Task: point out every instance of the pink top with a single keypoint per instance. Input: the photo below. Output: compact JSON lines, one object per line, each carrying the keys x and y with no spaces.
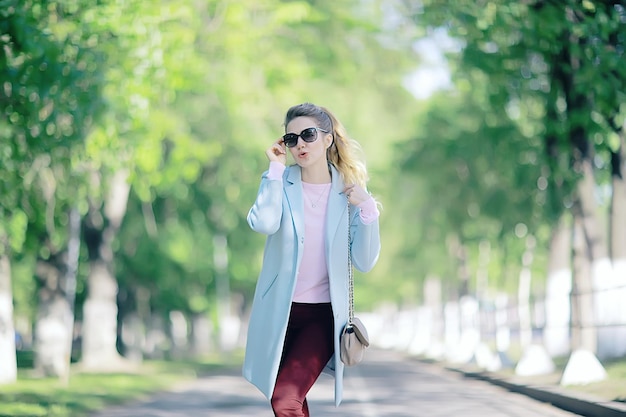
{"x":312,"y":280}
{"x":312,"y":284}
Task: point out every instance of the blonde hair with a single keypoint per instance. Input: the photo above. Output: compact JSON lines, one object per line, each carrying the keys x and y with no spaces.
{"x":344,"y":152}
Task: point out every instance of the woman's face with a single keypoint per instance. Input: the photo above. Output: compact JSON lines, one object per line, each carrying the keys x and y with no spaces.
{"x":309,"y":154}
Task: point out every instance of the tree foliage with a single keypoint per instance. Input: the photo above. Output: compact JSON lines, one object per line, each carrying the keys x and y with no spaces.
{"x":184,"y":97}
{"x":498,"y":151}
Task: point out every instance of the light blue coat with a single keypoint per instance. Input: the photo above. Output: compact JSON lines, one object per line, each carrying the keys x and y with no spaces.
{"x":278,"y":212}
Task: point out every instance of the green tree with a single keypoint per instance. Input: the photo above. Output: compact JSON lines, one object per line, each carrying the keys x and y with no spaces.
{"x":50,"y":96}
{"x":560,"y":61}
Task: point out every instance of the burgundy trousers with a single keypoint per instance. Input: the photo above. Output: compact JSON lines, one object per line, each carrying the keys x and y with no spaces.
{"x":307,"y":349}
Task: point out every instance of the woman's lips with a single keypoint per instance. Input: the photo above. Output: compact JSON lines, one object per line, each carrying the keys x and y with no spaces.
{"x":303,"y":155}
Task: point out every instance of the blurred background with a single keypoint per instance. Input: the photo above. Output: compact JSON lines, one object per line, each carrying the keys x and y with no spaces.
{"x":132,"y":138}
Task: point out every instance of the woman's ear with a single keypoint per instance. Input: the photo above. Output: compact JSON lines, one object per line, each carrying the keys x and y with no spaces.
{"x":329,"y":140}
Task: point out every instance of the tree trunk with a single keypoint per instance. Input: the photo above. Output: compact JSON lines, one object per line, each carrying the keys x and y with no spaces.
{"x":618,"y":206}
{"x":433,"y":297}
{"x":482,"y":271}
{"x":458,"y":252}
{"x":578,"y":108}
{"x":556,"y":334}
{"x":535,"y":359}
{"x":559,"y":281}
{"x":523,"y":294}
{"x":583,"y":329}
{"x":54,"y":329}
{"x":612,"y":333}
{"x":592,"y":225}
{"x":99,"y":343}
{"x":229,"y":323}
{"x":8,"y":363}
{"x":591,"y":263}
{"x":201,"y":335}
{"x":582,"y":367}
{"x":602,"y":277}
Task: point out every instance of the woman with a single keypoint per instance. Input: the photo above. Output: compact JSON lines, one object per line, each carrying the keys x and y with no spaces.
{"x":300,"y":304}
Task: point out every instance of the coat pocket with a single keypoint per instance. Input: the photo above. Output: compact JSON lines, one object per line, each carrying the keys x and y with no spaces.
{"x":269,"y":287}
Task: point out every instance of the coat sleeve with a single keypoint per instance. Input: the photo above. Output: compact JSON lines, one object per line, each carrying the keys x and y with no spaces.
{"x":364,"y":242}
{"x":266,"y":212}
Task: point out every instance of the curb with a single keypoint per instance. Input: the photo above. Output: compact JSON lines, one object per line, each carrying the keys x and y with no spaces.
{"x":554,"y":396}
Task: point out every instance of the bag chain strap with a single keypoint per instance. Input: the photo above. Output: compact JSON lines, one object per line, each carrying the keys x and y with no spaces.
{"x":350,"y":275}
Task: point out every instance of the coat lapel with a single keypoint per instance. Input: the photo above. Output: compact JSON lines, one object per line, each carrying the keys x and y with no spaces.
{"x":293,"y":190}
{"x":335,"y":214}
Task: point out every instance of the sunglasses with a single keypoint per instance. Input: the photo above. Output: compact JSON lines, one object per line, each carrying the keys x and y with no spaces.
{"x":308,"y":135}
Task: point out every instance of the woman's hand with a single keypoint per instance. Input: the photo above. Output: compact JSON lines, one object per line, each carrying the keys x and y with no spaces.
{"x":356,"y":194}
{"x":277,"y":152}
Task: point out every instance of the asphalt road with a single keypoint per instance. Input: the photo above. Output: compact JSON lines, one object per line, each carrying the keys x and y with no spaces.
{"x":385,"y":384}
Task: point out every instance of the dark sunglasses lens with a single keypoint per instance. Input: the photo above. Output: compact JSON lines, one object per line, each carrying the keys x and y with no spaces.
{"x":309,"y":135}
{"x":290,"y":140}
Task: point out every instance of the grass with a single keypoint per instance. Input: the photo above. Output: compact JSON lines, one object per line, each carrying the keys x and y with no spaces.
{"x":88,"y":392}
{"x":613,"y":388}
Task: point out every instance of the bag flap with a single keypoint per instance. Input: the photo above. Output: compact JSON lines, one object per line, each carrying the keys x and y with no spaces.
{"x":360,"y":331}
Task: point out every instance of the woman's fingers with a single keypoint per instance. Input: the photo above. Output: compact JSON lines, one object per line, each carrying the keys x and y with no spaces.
{"x":277,"y":152}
